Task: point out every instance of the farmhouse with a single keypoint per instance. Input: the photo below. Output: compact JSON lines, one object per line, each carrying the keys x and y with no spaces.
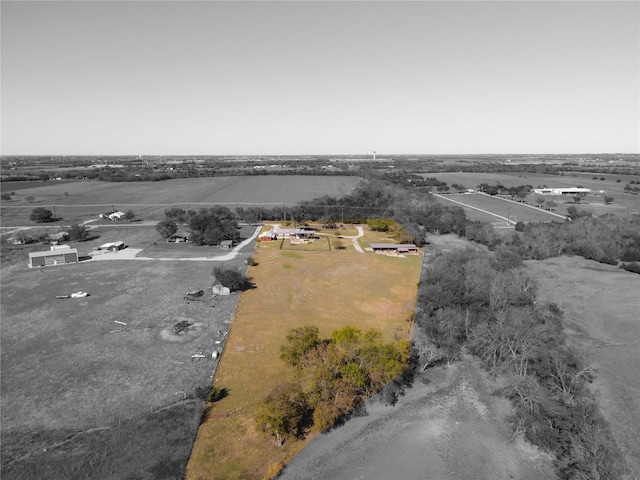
{"x":393,"y":248}
{"x":53,"y":257}
{"x":561,"y":191}
{"x":116,"y":216}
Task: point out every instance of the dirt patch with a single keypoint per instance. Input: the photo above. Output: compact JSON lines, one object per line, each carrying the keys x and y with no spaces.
{"x":195,"y":330}
{"x":448,"y":426}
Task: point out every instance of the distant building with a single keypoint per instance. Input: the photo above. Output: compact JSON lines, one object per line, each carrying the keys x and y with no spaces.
{"x":561,"y":191}
{"x":53,"y":257}
{"x":226,"y":243}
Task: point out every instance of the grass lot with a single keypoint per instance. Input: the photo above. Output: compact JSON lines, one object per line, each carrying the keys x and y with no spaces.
{"x":593,"y":203}
{"x":88,"y":198}
{"x":499,"y":206}
{"x":86,"y":397}
{"x":294,"y":289}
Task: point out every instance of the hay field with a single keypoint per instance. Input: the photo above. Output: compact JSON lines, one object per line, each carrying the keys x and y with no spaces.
{"x":294,"y":289}
{"x":150,"y":199}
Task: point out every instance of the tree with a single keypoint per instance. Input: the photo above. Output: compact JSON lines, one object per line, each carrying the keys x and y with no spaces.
{"x":78,"y":232}
{"x":283,"y":413}
{"x":213,"y":225}
{"x":578,"y":197}
{"x":299,"y":341}
{"x":177,"y":215}
{"x":167,"y":227}
{"x":608,"y":200}
{"x":41,"y":215}
{"x":129,"y":215}
{"x":30,"y":198}
{"x":5,"y":196}
{"x":232,"y":279}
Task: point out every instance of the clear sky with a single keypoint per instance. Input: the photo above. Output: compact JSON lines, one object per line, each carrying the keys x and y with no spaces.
{"x":299,"y":77}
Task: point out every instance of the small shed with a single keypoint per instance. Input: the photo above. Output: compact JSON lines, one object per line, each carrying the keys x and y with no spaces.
{"x":53,"y":257}
{"x":226,"y":243}
{"x":59,"y":237}
{"x":220,"y":290}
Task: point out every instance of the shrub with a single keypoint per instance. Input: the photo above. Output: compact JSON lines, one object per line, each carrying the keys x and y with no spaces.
{"x":232,"y":279}
{"x":41,"y":215}
{"x":631,"y":267}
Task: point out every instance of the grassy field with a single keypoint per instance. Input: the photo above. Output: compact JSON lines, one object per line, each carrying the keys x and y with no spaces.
{"x":601,"y":305}
{"x":87,"y":198}
{"x":514,"y":211}
{"x":84,"y":396}
{"x":623,"y":202}
{"x":294,"y":289}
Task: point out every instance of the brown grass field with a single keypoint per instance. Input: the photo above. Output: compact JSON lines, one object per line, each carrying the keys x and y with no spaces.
{"x":294,"y":289}
{"x":88,"y":198}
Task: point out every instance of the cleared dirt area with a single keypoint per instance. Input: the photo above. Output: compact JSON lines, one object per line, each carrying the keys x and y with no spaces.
{"x":601,"y":305}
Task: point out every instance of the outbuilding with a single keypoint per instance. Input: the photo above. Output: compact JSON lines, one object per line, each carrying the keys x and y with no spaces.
{"x":114,"y":246}
{"x":53,"y":257}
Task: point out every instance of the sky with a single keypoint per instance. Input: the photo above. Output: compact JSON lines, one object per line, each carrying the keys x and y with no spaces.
{"x":304,"y":77}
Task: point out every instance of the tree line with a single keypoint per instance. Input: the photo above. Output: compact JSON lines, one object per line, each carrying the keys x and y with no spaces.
{"x":486,"y":303}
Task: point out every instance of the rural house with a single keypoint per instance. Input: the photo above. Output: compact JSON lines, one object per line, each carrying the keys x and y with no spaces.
{"x":53,"y":257}
{"x":178,"y":237}
{"x":393,"y":248}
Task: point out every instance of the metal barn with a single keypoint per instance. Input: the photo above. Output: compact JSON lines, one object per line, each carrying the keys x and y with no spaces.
{"x":53,"y":257}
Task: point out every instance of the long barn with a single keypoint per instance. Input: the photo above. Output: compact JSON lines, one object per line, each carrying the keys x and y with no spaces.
{"x":53,"y":257}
